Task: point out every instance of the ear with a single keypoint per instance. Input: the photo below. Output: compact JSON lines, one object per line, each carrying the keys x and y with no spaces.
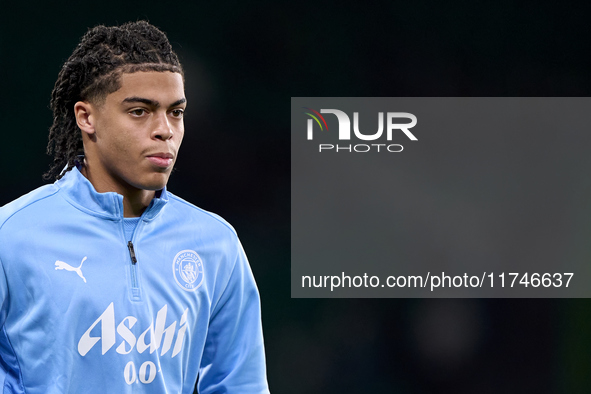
{"x":85,"y":116}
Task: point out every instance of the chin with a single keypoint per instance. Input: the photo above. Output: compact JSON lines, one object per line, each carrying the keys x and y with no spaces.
{"x":156,"y":183}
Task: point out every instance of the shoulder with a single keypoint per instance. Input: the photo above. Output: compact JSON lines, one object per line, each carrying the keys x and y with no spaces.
{"x":28,"y":204}
{"x":199,"y":215}
{"x":207,"y":231}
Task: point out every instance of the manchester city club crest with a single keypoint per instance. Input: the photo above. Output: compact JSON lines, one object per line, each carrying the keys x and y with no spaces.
{"x":187,"y":268}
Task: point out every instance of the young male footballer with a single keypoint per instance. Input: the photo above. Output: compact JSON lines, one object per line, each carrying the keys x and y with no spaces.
{"x":109,"y":283}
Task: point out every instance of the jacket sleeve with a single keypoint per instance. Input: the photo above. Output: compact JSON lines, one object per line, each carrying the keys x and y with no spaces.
{"x":234,"y":358}
{"x":3,"y":294}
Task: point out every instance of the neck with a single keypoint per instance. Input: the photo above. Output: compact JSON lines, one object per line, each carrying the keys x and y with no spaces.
{"x":135,"y":201}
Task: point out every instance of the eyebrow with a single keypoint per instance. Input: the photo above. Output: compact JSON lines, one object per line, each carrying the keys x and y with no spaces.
{"x":153,"y":103}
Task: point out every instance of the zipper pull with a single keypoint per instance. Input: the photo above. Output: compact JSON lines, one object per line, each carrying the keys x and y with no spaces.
{"x":131,"y":252}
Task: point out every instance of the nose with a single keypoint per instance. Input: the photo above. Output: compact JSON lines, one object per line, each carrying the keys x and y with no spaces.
{"x":162,"y":128}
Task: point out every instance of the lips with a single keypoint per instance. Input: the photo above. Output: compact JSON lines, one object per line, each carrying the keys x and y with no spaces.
{"x":162,"y":160}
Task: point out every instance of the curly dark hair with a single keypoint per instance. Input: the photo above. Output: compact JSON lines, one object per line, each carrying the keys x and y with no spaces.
{"x":92,"y":72}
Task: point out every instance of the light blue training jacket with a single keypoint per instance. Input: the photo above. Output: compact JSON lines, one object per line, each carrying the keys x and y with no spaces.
{"x":85,"y":311}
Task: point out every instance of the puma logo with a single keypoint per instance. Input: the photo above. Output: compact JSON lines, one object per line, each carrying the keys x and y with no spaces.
{"x":60,"y":265}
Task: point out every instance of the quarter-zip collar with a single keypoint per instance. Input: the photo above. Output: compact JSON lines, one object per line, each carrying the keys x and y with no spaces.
{"x":78,"y":191}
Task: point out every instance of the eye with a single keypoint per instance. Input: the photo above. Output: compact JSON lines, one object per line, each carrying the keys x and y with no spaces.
{"x":178,"y":113}
{"x":138,"y":112}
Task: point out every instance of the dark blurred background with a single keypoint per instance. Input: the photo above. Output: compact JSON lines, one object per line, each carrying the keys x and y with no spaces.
{"x":243,"y":61}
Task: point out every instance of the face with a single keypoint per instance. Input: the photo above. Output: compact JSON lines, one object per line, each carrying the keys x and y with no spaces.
{"x":131,"y":141}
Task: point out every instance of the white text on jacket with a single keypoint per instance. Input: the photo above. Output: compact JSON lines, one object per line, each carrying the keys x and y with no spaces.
{"x":156,"y":334}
